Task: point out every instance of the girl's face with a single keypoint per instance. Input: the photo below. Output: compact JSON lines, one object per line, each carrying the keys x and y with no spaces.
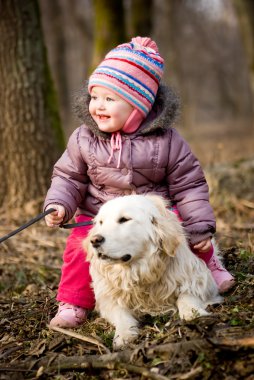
{"x":109,"y":111}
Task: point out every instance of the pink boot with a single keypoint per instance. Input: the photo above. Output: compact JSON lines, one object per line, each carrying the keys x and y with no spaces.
{"x":69,"y":316}
{"x":222,"y":277}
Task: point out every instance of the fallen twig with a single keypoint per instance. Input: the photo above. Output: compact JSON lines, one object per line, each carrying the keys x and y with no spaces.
{"x":15,"y":369}
{"x":188,"y":375}
{"x":169,"y":349}
{"x":80,"y":337}
{"x":125,"y":356}
{"x":112,"y":365}
{"x":234,"y":342}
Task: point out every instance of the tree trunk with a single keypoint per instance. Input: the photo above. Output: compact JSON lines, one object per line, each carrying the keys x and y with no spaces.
{"x":206,"y":62}
{"x":109,"y":27}
{"x":68,"y":27}
{"x":141,"y":17}
{"x":245,"y":12}
{"x":31,"y":136}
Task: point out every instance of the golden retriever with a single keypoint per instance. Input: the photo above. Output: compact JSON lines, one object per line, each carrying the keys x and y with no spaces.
{"x":140,"y":263}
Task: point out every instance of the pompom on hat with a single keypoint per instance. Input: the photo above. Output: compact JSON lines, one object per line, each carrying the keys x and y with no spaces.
{"x":133,"y":71}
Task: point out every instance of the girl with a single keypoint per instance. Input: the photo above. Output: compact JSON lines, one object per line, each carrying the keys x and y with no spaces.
{"x":126,"y":145}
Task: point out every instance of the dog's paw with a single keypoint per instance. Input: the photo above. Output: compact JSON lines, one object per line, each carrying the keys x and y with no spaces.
{"x":190,"y":307}
{"x":122,"y":338}
{"x":190,"y":314}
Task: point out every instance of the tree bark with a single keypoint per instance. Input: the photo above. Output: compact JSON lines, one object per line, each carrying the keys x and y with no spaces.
{"x":31,"y":135}
{"x":245,"y":12}
{"x":109,"y":28}
{"x":141,"y":17}
{"x":68,"y":27}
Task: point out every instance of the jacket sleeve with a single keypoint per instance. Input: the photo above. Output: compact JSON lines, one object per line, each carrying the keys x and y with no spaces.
{"x":69,"y":179}
{"x":188,"y":189}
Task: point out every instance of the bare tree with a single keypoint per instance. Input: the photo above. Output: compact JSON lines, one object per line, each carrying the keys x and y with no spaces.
{"x":205,"y":60}
{"x":109,"y":27}
{"x":141,"y":17}
{"x":245,"y":12}
{"x":31,"y":135}
{"x":67,"y":27}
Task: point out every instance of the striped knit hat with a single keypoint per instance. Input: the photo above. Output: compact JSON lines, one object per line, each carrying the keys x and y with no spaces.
{"x":133,"y":71}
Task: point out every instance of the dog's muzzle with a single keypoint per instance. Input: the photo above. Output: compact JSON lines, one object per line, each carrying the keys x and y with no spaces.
{"x":97,"y":241}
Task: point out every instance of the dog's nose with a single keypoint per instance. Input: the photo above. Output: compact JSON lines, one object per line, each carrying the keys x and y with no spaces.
{"x":97,"y":240}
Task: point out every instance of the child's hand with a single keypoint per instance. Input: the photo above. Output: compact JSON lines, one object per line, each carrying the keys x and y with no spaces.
{"x":203,"y":246}
{"x":56,"y":217}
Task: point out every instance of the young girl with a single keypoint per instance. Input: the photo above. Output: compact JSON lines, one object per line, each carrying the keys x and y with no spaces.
{"x":126,"y":145}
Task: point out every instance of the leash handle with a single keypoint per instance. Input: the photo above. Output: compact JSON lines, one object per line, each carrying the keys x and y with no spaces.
{"x":29,"y":223}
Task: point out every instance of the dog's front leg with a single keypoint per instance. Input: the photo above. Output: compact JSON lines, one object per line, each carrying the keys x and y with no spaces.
{"x":125,"y":324}
{"x":190,"y":307}
{"x":126,"y":327}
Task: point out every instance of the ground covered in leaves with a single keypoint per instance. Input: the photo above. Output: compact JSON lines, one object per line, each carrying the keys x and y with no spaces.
{"x":220,"y":346}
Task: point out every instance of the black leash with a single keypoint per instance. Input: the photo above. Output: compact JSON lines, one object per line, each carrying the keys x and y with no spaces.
{"x":39,"y":217}
{"x":72,"y":225}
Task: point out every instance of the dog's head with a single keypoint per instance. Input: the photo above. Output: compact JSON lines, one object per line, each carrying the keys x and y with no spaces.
{"x":129,"y":227}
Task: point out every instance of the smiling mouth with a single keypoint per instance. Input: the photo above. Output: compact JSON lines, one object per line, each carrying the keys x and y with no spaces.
{"x":103,"y":117}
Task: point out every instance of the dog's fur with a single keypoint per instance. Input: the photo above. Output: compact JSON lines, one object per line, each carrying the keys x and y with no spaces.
{"x":140,"y":263}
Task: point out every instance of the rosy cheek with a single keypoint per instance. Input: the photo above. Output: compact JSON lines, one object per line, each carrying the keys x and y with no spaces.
{"x":91,"y":109}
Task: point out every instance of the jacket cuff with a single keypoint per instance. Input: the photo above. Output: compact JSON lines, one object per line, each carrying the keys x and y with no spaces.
{"x":197,"y":238}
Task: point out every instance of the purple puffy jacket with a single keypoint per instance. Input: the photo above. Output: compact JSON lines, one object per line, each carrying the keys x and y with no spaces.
{"x":155,"y":159}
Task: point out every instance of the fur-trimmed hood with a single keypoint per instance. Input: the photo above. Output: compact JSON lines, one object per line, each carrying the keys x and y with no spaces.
{"x":162,"y":116}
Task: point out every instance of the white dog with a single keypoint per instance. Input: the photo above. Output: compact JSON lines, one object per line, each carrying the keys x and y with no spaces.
{"x":140,"y":263}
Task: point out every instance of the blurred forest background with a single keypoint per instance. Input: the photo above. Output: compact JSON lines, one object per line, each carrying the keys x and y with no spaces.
{"x":208,"y":51}
{"x":48,"y":49}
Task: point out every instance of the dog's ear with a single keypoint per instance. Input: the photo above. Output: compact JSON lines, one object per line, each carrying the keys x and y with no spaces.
{"x":168,"y":229}
{"x":167,"y":234}
{"x":159,"y":202}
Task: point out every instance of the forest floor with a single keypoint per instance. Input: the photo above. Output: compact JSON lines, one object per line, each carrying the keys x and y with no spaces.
{"x":220,"y":346}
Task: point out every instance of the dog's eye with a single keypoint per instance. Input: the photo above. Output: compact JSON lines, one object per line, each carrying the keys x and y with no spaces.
{"x":123,"y":220}
{"x":100,"y":222}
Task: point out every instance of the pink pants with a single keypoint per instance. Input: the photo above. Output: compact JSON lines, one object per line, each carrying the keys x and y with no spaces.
{"x":75,"y":284}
